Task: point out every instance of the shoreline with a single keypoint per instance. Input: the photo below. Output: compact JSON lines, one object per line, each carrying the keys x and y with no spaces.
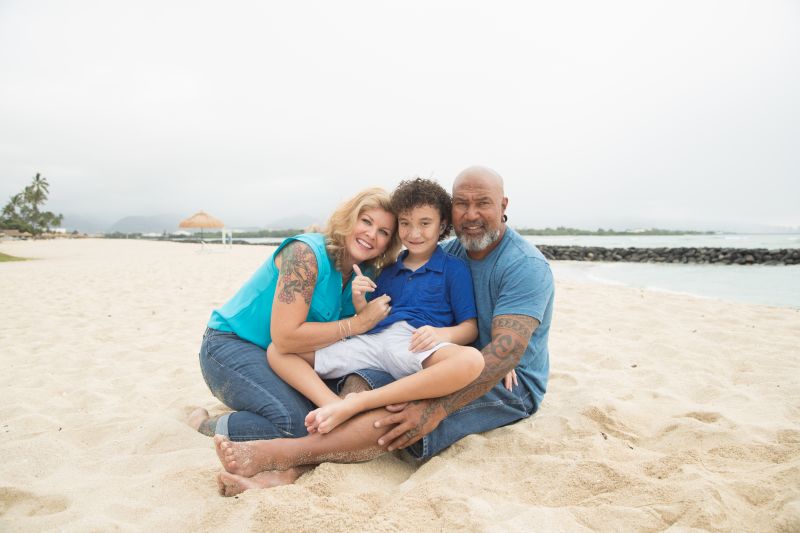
{"x":662,"y":411}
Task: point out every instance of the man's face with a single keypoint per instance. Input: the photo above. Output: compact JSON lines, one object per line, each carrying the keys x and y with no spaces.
{"x":478,"y":209}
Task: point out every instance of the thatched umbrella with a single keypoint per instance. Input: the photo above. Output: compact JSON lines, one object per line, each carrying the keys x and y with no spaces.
{"x":201,"y":220}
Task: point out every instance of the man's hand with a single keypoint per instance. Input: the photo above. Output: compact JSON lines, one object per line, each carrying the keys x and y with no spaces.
{"x":415,"y":421}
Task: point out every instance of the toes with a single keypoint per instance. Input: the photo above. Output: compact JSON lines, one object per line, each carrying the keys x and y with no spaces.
{"x":311,"y":417}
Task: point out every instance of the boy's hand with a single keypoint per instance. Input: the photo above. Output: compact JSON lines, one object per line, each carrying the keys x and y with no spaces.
{"x":425,"y":338}
{"x":362,"y":284}
{"x":510,"y":379}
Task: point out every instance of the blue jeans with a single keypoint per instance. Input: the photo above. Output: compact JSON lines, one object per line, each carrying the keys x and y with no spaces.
{"x":239,"y":376}
{"x":498,"y":407}
{"x":266,"y":407}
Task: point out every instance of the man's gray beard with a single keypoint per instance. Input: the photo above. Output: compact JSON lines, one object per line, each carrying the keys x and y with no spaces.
{"x":477,"y":244}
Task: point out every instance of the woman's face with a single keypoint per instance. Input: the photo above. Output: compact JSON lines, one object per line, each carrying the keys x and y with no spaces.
{"x":371,"y":235}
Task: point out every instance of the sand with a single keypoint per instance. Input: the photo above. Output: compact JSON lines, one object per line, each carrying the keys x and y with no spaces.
{"x":663,"y":412}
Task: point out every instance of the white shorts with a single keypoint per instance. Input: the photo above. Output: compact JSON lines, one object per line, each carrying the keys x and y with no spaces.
{"x":386,"y":350}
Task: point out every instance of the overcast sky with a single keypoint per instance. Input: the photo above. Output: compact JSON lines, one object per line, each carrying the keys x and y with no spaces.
{"x":625,"y":114}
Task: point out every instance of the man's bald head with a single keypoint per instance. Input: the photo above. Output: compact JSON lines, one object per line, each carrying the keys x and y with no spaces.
{"x":483,"y":177}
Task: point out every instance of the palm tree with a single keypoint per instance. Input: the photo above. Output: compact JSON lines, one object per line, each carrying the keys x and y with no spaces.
{"x":36,"y":193}
{"x":11,"y":209}
{"x":22,"y":211}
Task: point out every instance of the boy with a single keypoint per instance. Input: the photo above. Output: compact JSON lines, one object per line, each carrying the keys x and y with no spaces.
{"x":420,"y":342}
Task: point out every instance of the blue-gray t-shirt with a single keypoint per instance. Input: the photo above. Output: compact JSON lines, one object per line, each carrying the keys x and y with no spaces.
{"x":514,"y":279}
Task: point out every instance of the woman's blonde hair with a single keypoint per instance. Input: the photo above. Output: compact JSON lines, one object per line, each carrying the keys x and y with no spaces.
{"x":343,"y":221}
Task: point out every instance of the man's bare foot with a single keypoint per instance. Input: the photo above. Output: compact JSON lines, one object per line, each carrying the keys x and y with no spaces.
{"x":248,"y":458}
{"x":201,"y":421}
{"x":231,"y":484}
{"x":327,"y":417}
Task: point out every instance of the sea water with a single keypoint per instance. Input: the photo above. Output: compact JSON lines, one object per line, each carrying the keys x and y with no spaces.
{"x":769,"y":241}
{"x":777,"y":285}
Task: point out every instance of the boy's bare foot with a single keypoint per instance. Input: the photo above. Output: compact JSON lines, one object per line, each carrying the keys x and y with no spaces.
{"x":247,"y":458}
{"x":232,"y":484}
{"x":200,"y":420}
{"x":327,"y":417}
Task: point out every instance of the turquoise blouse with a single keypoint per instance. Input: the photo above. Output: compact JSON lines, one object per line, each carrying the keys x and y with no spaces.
{"x":249,"y":312}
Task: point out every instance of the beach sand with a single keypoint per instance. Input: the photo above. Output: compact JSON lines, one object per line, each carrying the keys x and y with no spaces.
{"x":663,"y":412}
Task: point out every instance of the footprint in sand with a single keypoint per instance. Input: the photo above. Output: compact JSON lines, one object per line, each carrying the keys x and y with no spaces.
{"x":708,"y":418}
{"x":609,"y":423}
{"x":15,"y":502}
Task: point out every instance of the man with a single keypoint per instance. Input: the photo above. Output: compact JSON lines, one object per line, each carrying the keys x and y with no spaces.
{"x":514,"y":295}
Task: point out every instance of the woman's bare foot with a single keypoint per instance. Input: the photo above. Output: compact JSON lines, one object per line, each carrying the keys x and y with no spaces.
{"x":327,"y":417}
{"x":232,"y":484}
{"x":201,"y":421}
{"x":250,"y":457}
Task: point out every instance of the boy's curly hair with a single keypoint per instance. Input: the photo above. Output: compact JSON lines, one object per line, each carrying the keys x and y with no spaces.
{"x":418,"y":192}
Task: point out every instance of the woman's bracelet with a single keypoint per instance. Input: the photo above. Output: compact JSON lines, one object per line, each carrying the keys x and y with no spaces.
{"x":346,"y":331}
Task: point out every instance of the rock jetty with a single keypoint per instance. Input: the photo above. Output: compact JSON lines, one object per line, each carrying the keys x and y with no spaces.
{"x":725,"y":256}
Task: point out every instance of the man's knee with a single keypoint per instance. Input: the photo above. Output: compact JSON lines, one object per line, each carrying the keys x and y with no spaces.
{"x":354,"y":383}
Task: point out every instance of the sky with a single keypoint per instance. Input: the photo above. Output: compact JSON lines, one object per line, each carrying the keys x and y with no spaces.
{"x":673,"y":114}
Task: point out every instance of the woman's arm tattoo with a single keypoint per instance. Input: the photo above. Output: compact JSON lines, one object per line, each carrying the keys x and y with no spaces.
{"x":510,"y":337}
{"x":298,"y":273}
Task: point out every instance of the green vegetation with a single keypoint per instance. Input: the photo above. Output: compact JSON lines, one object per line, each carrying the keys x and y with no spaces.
{"x":5,"y":258}
{"x":561,"y":230}
{"x":22,"y":212}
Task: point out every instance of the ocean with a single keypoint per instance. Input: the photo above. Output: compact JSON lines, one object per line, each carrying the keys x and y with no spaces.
{"x":759,"y":284}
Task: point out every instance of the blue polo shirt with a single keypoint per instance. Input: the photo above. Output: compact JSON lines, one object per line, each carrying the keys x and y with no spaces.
{"x":438,"y":294}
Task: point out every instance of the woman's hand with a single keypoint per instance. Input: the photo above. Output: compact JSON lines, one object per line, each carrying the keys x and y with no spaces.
{"x":361,"y":285}
{"x":425,"y":338}
{"x":373,"y":312}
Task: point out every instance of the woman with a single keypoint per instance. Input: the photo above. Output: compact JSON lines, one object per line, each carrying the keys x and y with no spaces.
{"x":300,"y":300}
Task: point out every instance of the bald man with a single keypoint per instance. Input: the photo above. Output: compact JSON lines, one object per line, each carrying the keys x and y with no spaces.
{"x":514,"y":296}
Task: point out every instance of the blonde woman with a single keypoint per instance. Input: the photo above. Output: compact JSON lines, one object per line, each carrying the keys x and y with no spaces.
{"x":300,"y":299}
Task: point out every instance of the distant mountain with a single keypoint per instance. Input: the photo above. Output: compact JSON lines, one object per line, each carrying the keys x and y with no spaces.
{"x":146,"y":224}
{"x":84,"y":224}
{"x":294,"y":222}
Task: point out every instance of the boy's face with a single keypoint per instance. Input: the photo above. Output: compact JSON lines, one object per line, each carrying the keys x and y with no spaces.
{"x":419,"y":229}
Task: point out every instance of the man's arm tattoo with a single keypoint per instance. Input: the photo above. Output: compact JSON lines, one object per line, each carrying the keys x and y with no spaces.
{"x":510,"y":337}
{"x":298,"y":273}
